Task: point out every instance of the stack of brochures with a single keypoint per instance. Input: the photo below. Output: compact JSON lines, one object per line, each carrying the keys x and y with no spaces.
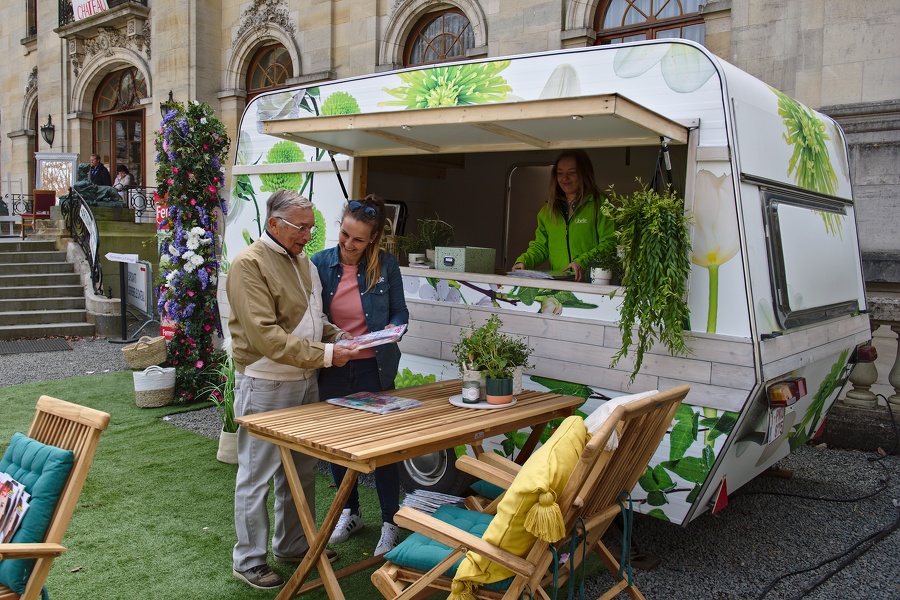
{"x":430,"y":501}
{"x":376,"y":403}
{"x":388,"y":335}
{"x":13,"y":504}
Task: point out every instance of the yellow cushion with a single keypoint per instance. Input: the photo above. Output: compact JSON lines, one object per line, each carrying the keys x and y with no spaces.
{"x":546,"y":472}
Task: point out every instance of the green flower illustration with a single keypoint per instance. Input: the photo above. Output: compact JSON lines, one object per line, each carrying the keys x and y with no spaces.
{"x":282,"y":152}
{"x":340,"y":103}
{"x":451,"y":86}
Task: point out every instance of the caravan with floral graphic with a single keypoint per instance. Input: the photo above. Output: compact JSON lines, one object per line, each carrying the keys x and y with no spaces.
{"x":775,"y":288}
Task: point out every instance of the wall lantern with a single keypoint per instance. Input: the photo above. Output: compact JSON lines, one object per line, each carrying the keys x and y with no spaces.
{"x":48,"y":131}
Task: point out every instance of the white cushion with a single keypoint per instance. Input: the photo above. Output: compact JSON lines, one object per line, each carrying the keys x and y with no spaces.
{"x":596,"y":419}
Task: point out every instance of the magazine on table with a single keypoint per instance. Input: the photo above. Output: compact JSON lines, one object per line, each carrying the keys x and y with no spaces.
{"x":388,"y":335}
{"x":13,"y":504}
{"x":376,"y":403}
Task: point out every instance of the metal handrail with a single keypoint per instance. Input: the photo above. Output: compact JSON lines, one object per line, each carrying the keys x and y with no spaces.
{"x":18,"y":203}
{"x":82,"y":226}
{"x":141,"y":200}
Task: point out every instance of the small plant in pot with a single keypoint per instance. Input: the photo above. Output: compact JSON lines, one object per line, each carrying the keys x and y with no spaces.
{"x":221,"y":393}
{"x":473,"y":344}
{"x":433,"y":233}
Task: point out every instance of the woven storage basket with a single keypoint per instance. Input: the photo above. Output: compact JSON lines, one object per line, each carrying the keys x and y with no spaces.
{"x":389,"y":240}
{"x":154,"y":387}
{"x":145,"y":352}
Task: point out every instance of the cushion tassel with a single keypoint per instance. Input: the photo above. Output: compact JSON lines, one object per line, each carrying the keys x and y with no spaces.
{"x":462,"y":590}
{"x":544,"y":520}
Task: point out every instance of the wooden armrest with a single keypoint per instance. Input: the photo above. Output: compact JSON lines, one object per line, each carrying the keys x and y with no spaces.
{"x":483,"y":470}
{"x":37,"y":550}
{"x":500,"y":462}
{"x":448,"y":535}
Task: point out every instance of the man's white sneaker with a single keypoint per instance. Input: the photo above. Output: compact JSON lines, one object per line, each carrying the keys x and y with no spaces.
{"x":390,"y":537}
{"x":347,"y":525}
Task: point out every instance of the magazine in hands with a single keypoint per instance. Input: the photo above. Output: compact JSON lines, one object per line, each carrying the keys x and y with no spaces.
{"x":374,"y":402}
{"x":388,"y":335}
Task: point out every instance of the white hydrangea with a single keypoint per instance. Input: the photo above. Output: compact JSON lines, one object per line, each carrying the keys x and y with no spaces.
{"x":193,"y":243}
{"x":197,"y":260}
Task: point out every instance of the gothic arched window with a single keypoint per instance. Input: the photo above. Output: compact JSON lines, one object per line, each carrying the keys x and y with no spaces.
{"x":270,"y":68}
{"x":634,"y":20}
{"x":439,"y":37}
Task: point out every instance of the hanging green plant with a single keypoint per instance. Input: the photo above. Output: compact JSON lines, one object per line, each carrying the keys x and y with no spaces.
{"x":652,"y":236}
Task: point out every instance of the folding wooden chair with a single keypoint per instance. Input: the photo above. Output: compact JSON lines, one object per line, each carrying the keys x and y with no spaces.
{"x":71,"y":427}
{"x":589,"y":502}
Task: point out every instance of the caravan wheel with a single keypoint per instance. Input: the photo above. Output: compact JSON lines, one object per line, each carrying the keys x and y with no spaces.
{"x":435,"y":472}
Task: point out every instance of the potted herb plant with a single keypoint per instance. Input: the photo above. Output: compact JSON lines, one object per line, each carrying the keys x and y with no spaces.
{"x":433,"y":233}
{"x":221,"y":393}
{"x":473,"y":344}
{"x":652,"y":235}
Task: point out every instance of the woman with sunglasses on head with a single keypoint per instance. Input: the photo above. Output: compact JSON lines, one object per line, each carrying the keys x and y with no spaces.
{"x":362,"y":291}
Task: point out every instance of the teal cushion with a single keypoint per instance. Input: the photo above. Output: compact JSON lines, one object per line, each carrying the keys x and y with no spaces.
{"x":486,"y":489}
{"x":422,"y":553}
{"x":43,"y":470}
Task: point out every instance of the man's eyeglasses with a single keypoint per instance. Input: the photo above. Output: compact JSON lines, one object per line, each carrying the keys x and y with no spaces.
{"x":300,"y":228}
{"x":369,"y":210}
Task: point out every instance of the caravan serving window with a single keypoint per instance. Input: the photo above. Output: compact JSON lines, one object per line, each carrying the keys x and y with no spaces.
{"x":813,"y":258}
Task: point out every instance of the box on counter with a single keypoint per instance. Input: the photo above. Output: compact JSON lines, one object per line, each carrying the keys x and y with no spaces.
{"x":469,"y":259}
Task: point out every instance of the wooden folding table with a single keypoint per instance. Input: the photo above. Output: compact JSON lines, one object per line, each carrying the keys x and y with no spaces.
{"x":363,"y":441}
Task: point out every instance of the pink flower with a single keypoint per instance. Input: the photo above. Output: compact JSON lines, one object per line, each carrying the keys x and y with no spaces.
{"x":206,"y":146}
{"x":199,"y":364}
{"x":193,"y":202}
{"x":206,"y":328}
{"x":212,"y":189}
{"x":190,"y":293}
{"x":170,"y":181}
{"x":175,"y":170}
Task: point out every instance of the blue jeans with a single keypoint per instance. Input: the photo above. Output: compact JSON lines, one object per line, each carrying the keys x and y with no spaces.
{"x":362,"y":376}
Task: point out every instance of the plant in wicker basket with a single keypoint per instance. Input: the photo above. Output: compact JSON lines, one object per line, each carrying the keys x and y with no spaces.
{"x":191,"y":145}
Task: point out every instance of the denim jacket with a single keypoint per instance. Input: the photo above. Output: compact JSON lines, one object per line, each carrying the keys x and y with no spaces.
{"x":383,"y":305}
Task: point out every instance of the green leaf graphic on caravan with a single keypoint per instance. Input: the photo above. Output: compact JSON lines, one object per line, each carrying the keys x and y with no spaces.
{"x":810,"y":163}
{"x":450,"y":86}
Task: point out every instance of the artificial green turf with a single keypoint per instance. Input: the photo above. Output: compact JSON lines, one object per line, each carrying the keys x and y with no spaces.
{"x":155,"y":518}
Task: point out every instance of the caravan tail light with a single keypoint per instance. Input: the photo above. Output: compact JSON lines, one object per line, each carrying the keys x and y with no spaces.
{"x":866,"y":354}
{"x":787,"y":392}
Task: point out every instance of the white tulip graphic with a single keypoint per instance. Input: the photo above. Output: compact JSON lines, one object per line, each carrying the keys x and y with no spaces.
{"x":716,"y":239}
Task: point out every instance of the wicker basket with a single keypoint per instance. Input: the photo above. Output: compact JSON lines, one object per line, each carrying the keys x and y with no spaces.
{"x":154,"y":387}
{"x":145,"y":352}
{"x":389,"y":240}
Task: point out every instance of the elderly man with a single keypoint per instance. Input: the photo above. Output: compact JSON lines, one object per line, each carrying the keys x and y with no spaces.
{"x":99,"y":173}
{"x":279,"y":338}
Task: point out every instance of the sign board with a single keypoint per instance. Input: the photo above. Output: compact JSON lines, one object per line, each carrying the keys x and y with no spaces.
{"x":117,"y":257}
{"x":167,"y":328}
{"x":139,"y":287}
{"x":88,"y":8}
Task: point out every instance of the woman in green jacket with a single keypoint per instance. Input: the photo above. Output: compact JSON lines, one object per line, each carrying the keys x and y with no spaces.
{"x":571,"y":229}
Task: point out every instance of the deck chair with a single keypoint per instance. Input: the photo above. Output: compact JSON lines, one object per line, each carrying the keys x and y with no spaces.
{"x":589,"y":502}
{"x":70,"y":427}
{"x":40,"y":209}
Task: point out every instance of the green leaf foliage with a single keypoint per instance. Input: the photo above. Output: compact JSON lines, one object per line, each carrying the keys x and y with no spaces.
{"x":805,"y":430}
{"x":693,"y":494}
{"x":566,"y":388}
{"x":656,"y":498}
{"x":657,"y":513}
{"x":407,"y":378}
{"x":724,"y":425}
{"x":683,"y":434}
{"x":652,"y":235}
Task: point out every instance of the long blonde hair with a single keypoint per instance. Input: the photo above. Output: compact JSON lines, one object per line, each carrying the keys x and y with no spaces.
{"x":587,"y":184}
{"x":363,"y":211}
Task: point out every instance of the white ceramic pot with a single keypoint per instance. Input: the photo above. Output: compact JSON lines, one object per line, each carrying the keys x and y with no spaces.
{"x":518,"y":372}
{"x":429,"y":254}
{"x":228,"y":452}
{"x":600,"y":276}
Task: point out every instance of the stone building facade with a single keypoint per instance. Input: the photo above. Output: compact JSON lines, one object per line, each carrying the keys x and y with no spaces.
{"x":101,"y":79}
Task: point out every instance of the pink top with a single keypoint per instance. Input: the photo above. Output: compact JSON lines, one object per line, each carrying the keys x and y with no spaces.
{"x":346,"y":307}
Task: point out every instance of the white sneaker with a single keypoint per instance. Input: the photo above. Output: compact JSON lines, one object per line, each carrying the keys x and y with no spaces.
{"x":347,"y":525}
{"x":390,"y":537}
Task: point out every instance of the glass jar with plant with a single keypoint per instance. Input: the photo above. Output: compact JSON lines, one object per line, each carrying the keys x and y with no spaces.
{"x":652,"y":233}
{"x":473,"y":343}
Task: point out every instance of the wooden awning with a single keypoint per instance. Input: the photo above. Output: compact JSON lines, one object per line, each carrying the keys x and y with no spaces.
{"x":584,"y":122}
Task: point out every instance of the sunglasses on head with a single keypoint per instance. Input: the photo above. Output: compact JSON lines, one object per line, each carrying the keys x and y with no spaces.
{"x":369,"y":210}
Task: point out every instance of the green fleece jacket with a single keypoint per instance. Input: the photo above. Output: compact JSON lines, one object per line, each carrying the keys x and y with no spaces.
{"x":579,"y":239}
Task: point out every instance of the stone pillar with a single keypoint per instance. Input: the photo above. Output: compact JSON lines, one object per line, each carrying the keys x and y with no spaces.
{"x":863,"y":376}
{"x":894,"y":375}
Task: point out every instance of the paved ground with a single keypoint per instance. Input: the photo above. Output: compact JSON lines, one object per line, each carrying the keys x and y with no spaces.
{"x":835,"y":500}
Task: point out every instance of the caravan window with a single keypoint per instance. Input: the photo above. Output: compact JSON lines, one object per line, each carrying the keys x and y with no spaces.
{"x":813,"y":258}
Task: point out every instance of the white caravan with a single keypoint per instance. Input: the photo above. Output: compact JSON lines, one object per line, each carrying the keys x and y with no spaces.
{"x":775,"y":291}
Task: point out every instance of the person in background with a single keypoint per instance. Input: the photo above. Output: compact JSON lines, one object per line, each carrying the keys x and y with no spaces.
{"x":123,"y":180}
{"x":99,"y":173}
{"x":279,"y":338}
{"x":363,"y":292}
{"x":571,"y":229}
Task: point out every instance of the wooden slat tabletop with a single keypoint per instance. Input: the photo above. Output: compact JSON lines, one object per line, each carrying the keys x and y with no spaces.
{"x":370,"y":440}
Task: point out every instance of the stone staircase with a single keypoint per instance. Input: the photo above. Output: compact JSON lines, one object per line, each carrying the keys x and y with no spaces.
{"x":40,"y":293}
